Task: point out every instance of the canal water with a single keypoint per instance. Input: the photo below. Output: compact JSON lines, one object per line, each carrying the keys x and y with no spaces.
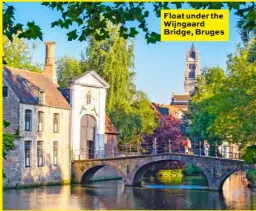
{"x":190,"y":193}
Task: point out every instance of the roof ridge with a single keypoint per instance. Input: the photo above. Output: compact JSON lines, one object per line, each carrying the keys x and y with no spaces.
{"x":19,"y":69}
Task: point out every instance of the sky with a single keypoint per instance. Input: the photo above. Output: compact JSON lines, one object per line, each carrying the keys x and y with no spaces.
{"x":159,"y":67}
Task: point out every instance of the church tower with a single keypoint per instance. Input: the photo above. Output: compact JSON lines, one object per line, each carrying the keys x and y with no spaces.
{"x":192,"y":69}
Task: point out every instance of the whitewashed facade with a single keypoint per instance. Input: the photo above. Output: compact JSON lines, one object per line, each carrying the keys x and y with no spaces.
{"x":88,"y":97}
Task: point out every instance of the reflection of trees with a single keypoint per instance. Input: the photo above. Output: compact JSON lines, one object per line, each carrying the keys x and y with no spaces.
{"x":173,"y":199}
{"x":113,"y":195}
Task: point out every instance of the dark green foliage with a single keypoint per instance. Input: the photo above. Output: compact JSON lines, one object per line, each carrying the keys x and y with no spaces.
{"x":224,"y":106}
{"x":191,"y":170}
{"x":8,"y":141}
{"x":10,"y":28}
{"x":91,"y":18}
{"x":251,"y":176}
{"x":250,"y":154}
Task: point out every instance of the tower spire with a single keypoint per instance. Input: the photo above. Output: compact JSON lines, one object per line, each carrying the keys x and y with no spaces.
{"x":192,"y":49}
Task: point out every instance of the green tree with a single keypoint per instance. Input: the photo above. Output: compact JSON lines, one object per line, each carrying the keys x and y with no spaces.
{"x":236,"y":104}
{"x":113,"y":59}
{"x":142,"y":107}
{"x":67,"y":69}
{"x":226,"y":106}
{"x":134,"y":124}
{"x":18,"y":54}
{"x":8,"y":141}
{"x":209,"y":84}
{"x":91,"y":18}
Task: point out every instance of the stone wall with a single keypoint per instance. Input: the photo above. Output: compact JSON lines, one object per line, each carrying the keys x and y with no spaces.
{"x":11,"y":108}
{"x":110,"y":145}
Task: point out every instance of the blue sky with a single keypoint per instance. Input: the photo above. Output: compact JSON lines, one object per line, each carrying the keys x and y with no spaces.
{"x":159,"y":67}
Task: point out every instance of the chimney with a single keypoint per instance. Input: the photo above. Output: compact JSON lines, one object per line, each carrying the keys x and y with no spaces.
{"x":49,"y":66}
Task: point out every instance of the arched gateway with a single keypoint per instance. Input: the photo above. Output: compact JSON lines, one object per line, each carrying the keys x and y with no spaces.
{"x":87,"y":136}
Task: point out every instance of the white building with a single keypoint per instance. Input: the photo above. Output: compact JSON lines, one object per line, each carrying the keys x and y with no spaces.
{"x":88,"y":101}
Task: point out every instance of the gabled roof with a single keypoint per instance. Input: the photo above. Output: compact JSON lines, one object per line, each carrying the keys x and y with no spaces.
{"x":26,"y":85}
{"x":185,"y":97}
{"x":78,"y":80}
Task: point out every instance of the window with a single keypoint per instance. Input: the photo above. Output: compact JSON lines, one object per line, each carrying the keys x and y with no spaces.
{"x":55,"y":123}
{"x":89,"y":97}
{"x":41,"y":97}
{"x":192,"y":66}
{"x":55,"y":153}
{"x":40,"y":154}
{"x":40,"y":121}
{"x":5,"y":91}
{"x":191,"y":74}
{"x":27,"y":153}
{"x":28,"y":120}
{"x":193,"y":54}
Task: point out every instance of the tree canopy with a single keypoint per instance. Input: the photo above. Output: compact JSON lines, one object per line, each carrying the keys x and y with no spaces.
{"x":85,"y":19}
{"x":19,"y":54}
{"x":224,"y":106}
{"x":90,"y":19}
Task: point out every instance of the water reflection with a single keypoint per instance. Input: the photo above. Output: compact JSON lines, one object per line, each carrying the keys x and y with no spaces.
{"x":113,"y":195}
{"x":236,"y":194}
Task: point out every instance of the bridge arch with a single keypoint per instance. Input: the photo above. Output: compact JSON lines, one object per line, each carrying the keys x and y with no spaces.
{"x":138,"y":172}
{"x":215,"y":173}
{"x":89,"y":172}
{"x":226,"y":176}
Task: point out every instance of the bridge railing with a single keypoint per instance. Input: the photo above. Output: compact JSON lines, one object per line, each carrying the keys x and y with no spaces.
{"x":145,"y":148}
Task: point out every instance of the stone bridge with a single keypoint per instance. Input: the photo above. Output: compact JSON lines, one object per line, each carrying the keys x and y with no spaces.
{"x":131,"y":169}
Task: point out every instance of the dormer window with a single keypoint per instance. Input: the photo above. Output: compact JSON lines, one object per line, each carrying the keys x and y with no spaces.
{"x":89,"y":97}
{"x":41,"y":97}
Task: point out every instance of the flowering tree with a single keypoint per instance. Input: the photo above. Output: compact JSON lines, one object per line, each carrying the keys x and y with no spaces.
{"x":168,"y":129}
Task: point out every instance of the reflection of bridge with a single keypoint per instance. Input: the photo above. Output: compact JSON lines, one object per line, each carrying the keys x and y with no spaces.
{"x":132,"y":168}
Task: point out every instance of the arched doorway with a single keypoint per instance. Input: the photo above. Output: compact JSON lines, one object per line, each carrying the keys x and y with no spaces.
{"x":87,"y":136}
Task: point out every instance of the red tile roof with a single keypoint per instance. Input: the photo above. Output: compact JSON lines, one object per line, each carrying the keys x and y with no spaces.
{"x":181,"y":97}
{"x":109,"y":127}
